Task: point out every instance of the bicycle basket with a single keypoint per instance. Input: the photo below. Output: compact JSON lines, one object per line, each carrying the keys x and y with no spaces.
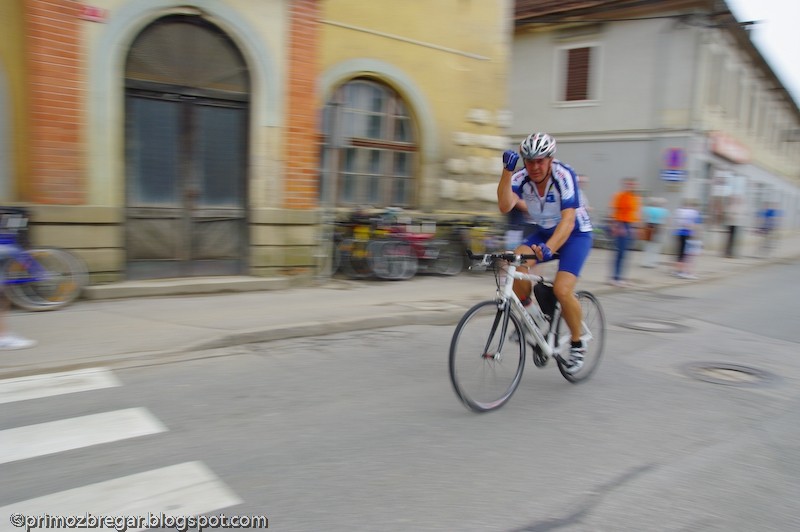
{"x":14,"y":225}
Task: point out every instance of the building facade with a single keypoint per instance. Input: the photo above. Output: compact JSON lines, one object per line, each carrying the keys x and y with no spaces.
{"x":671,"y":92}
{"x":168,"y":138}
{"x":416,"y":108}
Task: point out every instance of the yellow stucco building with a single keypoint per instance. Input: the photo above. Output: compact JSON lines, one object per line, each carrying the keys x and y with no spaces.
{"x":161,"y":138}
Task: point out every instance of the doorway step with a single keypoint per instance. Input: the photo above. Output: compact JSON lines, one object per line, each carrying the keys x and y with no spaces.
{"x":183,"y":286}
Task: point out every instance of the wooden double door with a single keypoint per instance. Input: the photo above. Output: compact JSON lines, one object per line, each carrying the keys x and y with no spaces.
{"x":186,"y":198}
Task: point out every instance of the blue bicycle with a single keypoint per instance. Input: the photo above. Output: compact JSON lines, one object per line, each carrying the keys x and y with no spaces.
{"x":46,"y":278}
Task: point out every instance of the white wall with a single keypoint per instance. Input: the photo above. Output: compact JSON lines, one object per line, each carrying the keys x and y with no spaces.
{"x":645,"y":79}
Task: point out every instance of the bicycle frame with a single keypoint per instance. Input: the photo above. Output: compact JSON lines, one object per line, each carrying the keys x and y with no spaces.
{"x":533,"y":318}
{"x":35,"y":272}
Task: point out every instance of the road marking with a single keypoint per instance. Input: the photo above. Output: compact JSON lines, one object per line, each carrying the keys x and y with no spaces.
{"x":184,"y":489}
{"x":47,"y":385}
{"x":66,"y":434}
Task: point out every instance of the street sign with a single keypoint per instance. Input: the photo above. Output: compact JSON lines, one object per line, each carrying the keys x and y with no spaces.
{"x":674,"y":164}
{"x":674,"y":158}
{"x":673,"y":175}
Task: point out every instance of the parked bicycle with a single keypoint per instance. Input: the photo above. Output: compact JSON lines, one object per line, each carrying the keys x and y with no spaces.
{"x":404,"y":252}
{"x":354,"y":247}
{"x":481,"y":235}
{"x":40,"y":278}
{"x":487,"y":351}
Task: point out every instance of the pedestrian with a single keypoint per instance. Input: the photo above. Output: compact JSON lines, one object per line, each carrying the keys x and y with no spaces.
{"x":685,"y":221}
{"x":694,"y":248}
{"x":624,"y":217}
{"x":8,"y":340}
{"x":655,"y":216}
{"x":733,"y":218}
{"x":767,"y":223}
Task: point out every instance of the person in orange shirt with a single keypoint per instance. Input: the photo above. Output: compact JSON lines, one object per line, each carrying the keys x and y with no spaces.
{"x":624,"y":217}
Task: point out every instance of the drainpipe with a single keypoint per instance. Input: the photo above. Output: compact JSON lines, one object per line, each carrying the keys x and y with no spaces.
{"x":658,"y":101}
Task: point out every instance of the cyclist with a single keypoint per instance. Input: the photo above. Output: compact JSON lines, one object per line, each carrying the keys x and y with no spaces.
{"x":550,"y":190}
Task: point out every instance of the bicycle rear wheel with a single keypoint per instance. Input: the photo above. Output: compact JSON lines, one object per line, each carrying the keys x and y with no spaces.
{"x":594,"y":337}
{"x":53,"y":279}
{"x":394,"y":260}
{"x":355,"y":258}
{"x":487,"y":356}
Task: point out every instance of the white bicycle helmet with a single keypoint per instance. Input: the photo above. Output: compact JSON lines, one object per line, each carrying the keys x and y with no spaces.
{"x":537,"y":146}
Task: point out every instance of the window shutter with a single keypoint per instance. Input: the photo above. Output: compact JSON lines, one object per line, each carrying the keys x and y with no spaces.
{"x":577,"y":87}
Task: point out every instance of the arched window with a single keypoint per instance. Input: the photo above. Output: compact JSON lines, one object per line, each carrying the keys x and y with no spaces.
{"x":370,"y":147}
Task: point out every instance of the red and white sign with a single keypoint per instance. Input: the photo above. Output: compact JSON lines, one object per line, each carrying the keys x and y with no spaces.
{"x":92,"y":13}
{"x":729,"y":148}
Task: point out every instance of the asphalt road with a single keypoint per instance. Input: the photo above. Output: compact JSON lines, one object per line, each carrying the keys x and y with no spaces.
{"x":361,"y":430}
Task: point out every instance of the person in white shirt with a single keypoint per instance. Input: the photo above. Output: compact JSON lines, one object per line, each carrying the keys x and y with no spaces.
{"x":686,"y":220}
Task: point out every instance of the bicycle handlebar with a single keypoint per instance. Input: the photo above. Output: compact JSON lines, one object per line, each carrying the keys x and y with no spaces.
{"x":488,"y":258}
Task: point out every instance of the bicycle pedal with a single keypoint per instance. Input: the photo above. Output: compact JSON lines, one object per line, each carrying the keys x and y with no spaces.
{"x":539,"y":358}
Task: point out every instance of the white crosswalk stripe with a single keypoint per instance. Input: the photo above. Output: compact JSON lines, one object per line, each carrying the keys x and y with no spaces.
{"x":38,"y":386}
{"x":183,"y":489}
{"x":66,"y":434}
{"x":180,"y":490}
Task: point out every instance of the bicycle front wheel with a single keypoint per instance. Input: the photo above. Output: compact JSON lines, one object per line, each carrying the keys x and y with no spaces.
{"x":487,"y":356}
{"x":51,"y":279}
{"x":450,"y":260}
{"x":593,"y":335}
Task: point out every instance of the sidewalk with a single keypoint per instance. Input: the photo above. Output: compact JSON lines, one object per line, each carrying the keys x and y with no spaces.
{"x":155,"y":329}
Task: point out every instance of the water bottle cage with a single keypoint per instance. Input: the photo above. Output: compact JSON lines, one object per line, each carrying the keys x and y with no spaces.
{"x":546,"y":298}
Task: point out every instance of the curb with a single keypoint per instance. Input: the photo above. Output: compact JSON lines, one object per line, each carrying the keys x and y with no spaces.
{"x":409,"y":315}
{"x":206,"y":348}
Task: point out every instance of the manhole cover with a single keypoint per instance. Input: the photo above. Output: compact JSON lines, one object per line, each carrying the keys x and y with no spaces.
{"x":654,"y":326}
{"x":729,"y":374}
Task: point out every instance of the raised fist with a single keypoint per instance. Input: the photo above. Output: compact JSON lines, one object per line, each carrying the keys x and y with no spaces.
{"x":510,"y":158}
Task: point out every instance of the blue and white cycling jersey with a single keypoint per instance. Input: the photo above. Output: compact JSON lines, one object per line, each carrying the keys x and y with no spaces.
{"x":562,"y":192}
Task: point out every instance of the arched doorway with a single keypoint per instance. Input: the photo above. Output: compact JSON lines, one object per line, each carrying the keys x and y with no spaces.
{"x":187,"y":93}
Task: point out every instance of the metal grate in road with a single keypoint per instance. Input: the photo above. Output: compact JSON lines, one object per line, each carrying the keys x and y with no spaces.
{"x":728,"y":374}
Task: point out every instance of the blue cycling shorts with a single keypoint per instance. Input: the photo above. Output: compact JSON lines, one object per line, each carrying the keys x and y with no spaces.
{"x":572,"y":254}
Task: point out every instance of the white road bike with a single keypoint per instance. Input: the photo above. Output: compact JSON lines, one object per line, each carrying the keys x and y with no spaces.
{"x":487,"y":352}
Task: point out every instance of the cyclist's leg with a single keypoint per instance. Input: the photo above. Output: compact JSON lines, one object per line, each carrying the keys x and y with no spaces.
{"x":573,"y":255}
{"x":522,"y":288}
